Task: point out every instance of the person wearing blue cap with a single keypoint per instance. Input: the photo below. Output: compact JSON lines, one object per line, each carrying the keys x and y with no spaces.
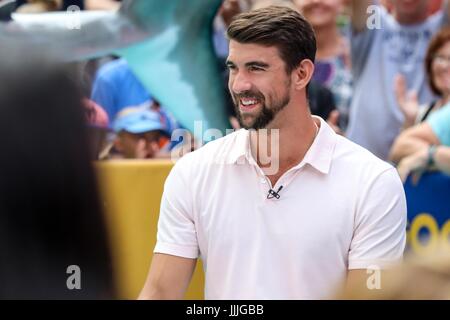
{"x":140,"y":133}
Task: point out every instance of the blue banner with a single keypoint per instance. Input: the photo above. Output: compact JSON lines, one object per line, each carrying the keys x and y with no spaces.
{"x":428,"y":212}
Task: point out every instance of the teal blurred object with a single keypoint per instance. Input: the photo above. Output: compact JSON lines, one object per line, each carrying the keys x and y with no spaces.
{"x":168,"y":45}
{"x":182,"y":58}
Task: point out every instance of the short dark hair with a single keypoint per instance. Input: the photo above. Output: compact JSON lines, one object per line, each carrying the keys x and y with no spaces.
{"x":277,"y":26}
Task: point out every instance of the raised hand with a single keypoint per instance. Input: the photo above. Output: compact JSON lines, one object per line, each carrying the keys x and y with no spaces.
{"x":407,"y":101}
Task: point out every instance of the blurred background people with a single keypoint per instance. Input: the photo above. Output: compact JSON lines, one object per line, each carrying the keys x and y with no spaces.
{"x":99,"y":133}
{"x":95,"y":115}
{"x":322,"y":104}
{"x":39,"y":6}
{"x":424,"y":146}
{"x":140,"y":134}
{"x":116,"y":87}
{"x":225,"y":14}
{"x":385,"y":44}
{"x":333,"y":62}
{"x":432,"y":7}
{"x":50,"y":215}
{"x":437,"y":66}
{"x":102,"y":4}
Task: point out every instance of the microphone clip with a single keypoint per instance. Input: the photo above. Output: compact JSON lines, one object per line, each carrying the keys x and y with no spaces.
{"x":274,"y":194}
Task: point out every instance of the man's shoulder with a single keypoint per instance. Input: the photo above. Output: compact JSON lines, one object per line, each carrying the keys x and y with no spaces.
{"x":366,"y":174}
{"x":354,"y":156}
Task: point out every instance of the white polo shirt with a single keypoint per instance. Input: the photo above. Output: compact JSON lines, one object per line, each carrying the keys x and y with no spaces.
{"x":341,"y":208}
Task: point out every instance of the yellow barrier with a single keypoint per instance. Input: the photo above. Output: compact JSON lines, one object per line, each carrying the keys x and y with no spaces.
{"x":131,"y":193}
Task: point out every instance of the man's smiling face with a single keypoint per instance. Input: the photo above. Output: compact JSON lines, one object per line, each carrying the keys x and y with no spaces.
{"x":258,"y":83}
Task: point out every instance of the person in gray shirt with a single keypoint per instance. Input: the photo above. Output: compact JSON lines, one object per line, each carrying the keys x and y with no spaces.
{"x":384,"y":45}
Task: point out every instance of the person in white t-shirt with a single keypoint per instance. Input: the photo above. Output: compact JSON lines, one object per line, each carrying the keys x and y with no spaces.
{"x":296,"y":225}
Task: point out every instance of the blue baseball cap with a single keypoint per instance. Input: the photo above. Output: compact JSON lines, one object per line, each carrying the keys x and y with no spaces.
{"x":138,"y":120}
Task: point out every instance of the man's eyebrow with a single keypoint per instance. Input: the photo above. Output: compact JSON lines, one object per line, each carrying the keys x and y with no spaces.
{"x":257,"y":64}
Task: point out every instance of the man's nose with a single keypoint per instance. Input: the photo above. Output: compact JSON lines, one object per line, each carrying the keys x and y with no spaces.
{"x":240,"y":83}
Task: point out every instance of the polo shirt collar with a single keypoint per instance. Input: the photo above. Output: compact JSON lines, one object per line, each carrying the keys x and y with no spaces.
{"x":240,"y":153}
{"x":319,"y":155}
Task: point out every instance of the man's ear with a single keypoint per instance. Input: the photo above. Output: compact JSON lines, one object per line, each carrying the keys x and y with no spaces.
{"x":303,"y":74}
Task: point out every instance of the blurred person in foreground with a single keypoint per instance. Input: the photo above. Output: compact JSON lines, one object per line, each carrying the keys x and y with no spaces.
{"x":50,"y":214}
{"x":418,"y":278}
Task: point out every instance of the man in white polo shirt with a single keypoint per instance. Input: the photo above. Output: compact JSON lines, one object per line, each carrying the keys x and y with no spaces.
{"x":328,"y":212}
